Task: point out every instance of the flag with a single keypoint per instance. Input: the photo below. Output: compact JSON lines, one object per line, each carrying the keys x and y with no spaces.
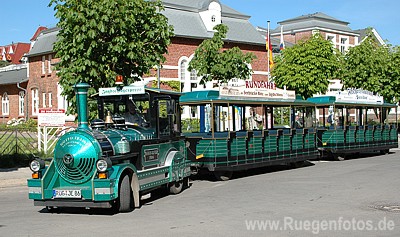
{"x":269,"y":51}
{"x":282,"y":44}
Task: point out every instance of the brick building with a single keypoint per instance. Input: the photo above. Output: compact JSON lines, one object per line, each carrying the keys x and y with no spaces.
{"x":13,"y":80}
{"x":192,"y":20}
{"x":42,"y":87}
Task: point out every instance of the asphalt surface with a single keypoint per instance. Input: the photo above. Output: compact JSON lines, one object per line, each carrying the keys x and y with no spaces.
{"x":356,"y":197}
{"x":14,"y":177}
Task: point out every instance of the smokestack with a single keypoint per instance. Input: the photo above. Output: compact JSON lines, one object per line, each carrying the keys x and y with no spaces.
{"x":81,"y":90}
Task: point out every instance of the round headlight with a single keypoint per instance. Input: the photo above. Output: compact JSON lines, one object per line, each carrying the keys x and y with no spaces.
{"x":36,"y":165}
{"x":102,"y":165}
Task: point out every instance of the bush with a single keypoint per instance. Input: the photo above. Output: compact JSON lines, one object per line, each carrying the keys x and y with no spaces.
{"x":13,"y":124}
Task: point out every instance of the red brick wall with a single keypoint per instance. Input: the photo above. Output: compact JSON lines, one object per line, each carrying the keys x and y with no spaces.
{"x":298,"y":36}
{"x":44,"y":82}
{"x":186,"y":47}
{"x":13,"y":97}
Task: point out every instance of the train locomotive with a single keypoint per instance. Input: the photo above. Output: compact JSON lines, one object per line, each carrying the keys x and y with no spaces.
{"x":110,"y":164}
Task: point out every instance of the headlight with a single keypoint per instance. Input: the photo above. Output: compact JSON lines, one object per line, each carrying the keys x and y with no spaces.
{"x":102,"y":165}
{"x":36,"y":165}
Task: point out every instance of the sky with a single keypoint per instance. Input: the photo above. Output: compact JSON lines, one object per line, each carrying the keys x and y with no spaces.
{"x":20,"y":18}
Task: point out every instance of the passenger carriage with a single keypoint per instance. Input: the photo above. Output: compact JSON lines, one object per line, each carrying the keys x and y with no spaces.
{"x":354,"y":121}
{"x":238,"y":128}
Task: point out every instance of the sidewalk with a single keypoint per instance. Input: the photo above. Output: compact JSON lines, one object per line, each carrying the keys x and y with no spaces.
{"x":14,"y":177}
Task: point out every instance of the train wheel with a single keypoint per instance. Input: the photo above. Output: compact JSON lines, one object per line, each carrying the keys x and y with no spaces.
{"x":125,"y":195}
{"x":176,"y":187}
{"x":223,"y":175}
{"x":50,"y":209}
{"x":383,"y":152}
{"x":339,"y":157}
{"x":297,"y":164}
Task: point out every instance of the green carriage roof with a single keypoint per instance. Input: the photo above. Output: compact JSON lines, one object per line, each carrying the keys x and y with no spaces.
{"x":331,"y":100}
{"x":213,"y":96}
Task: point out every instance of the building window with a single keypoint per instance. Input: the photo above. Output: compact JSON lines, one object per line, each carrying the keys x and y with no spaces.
{"x":21,"y":103}
{"x":5,"y":104}
{"x":61,"y":100}
{"x":193,"y":75}
{"x":344,"y":44}
{"x":43,"y":66}
{"x":35,"y":101}
{"x":182,"y":67}
{"x":213,"y":18}
{"x":50,"y":100}
{"x":332,"y":38}
{"x":44,"y":100}
{"x":49,"y":64}
{"x":193,"y":80}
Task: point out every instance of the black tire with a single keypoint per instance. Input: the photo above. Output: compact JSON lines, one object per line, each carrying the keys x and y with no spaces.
{"x":176,"y":187}
{"x":223,"y":175}
{"x":339,"y":157}
{"x":297,"y":164}
{"x":125,"y":195}
{"x":50,"y":209}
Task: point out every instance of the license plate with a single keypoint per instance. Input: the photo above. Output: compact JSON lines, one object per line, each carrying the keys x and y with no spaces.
{"x":67,"y":194}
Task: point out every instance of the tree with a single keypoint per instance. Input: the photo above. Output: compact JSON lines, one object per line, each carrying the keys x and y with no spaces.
{"x":307,"y":66}
{"x":373,"y":67}
{"x":392,"y":92}
{"x":101,"y":39}
{"x":214,"y":64}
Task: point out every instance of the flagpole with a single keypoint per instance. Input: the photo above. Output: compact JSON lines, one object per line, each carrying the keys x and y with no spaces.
{"x":268,"y":59}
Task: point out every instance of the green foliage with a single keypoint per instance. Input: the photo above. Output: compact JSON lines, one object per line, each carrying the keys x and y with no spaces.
{"x":391,"y":92}
{"x":307,"y":66}
{"x":213,"y":64}
{"x":372,"y":67}
{"x":4,"y":63}
{"x":101,"y":39}
{"x":174,"y":85}
{"x":281,"y":115}
{"x":190,"y":125}
{"x":30,"y":125}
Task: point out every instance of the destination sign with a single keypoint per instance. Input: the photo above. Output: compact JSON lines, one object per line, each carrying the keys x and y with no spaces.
{"x":260,"y":90}
{"x":352,"y":95}
{"x":126,"y":90}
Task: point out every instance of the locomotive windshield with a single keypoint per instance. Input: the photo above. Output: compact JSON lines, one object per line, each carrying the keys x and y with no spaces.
{"x":153,"y":109}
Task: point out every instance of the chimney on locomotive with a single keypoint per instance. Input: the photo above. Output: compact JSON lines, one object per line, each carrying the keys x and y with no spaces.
{"x":81,"y":91}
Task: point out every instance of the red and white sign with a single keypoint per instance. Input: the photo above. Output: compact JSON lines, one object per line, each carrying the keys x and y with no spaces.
{"x":51,"y":117}
{"x":265,"y":90}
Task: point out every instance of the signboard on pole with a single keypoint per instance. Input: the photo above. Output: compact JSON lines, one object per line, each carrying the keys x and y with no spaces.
{"x":51,"y":117}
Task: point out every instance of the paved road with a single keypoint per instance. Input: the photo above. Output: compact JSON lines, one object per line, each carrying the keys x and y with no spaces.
{"x":325,"y":198}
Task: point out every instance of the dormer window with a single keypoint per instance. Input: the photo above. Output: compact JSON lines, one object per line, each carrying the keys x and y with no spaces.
{"x":212,"y":16}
